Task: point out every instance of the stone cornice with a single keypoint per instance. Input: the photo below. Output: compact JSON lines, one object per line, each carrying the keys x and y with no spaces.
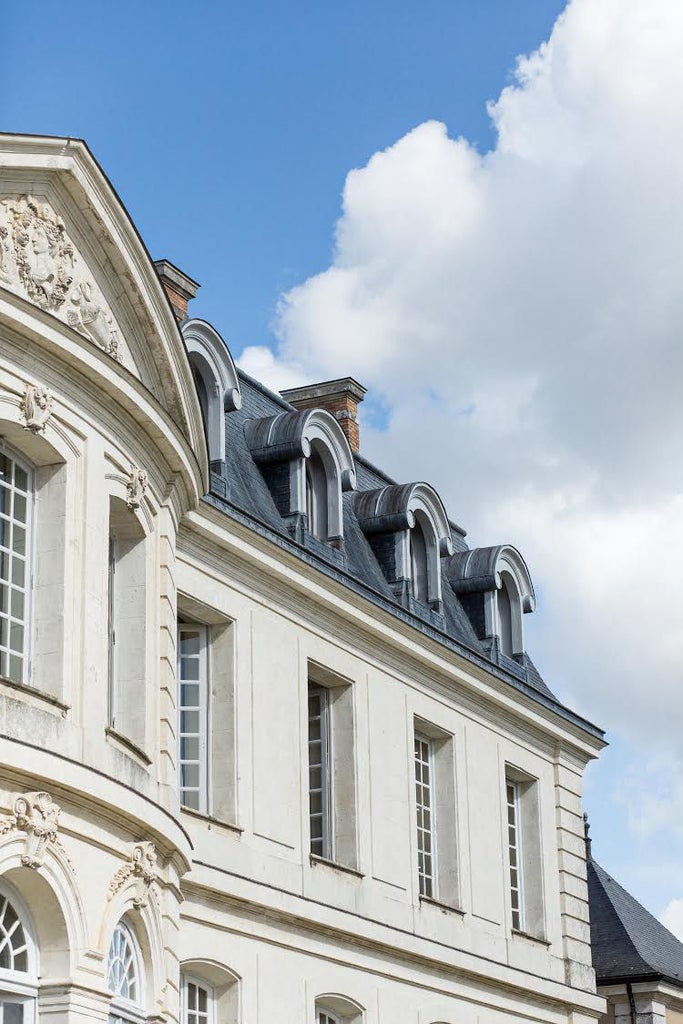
{"x":267,"y":567}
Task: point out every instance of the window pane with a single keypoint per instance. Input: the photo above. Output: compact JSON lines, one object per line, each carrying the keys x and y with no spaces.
{"x":20,"y":478}
{"x":12,"y":1013}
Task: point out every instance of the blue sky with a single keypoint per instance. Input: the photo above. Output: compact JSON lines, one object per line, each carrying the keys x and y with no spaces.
{"x":229,"y":130}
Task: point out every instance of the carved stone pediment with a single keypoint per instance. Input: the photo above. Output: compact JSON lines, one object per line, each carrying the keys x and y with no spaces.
{"x":39,"y":261}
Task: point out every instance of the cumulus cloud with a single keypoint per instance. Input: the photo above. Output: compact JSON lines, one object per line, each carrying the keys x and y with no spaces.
{"x":520,"y":315}
{"x":672,"y":918}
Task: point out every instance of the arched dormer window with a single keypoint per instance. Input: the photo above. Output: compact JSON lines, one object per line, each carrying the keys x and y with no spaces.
{"x":18,"y":969}
{"x":317,"y":497}
{"x":419,"y":564}
{"x":495,"y":589}
{"x":307,"y":463}
{"x":408,"y":529}
{"x":124,"y":977}
{"x":216,"y":381}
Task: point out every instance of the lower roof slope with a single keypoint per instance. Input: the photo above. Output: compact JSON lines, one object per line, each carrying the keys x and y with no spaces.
{"x":629,"y":944}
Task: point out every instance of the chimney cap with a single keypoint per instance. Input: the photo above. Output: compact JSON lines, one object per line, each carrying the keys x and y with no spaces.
{"x":169,"y":274}
{"x":325,"y":389}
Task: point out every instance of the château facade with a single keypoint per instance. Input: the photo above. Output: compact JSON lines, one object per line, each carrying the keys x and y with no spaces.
{"x":271,"y":745}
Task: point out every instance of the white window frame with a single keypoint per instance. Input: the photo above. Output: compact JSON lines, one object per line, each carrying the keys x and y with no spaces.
{"x":122,"y":1008}
{"x":427,"y":880}
{"x":199,"y":983}
{"x":27,"y":587}
{"x":323,"y":1016}
{"x":323,"y":846}
{"x":18,"y":986}
{"x":515,"y":859}
{"x":203,"y":709}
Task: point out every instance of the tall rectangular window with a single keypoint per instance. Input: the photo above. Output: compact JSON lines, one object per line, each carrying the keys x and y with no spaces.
{"x":193,"y":715}
{"x":515,"y":854}
{"x":15,"y":514}
{"x":319,"y":772}
{"x":424,"y":807}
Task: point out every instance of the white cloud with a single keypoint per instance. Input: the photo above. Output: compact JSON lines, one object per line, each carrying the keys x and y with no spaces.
{"x":259,"y":362}
{"x":672,"y":918}
{"x":520,"y":314}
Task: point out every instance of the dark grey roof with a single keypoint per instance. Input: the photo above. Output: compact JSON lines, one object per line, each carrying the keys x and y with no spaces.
{"x":246,"y":495}
{"x":628,"y":942}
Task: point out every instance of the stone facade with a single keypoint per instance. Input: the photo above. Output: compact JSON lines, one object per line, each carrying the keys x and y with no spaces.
{"x":98,"y":402}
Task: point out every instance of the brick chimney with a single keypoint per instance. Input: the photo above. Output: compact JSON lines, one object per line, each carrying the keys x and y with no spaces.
{"x":339,"y":397}
{"x":178,"y":286}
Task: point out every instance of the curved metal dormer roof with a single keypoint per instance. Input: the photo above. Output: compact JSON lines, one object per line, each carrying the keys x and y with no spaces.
{"x":480,"y":569}
{"x":395,"y":506}
{"x":291,"y":435}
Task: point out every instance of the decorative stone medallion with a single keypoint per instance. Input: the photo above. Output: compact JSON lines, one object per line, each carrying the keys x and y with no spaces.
{"x":35,"y":408}
{"x":39,"y":261}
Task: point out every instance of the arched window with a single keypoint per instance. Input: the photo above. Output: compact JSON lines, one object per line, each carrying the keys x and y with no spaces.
{"x":18,"y":974}
{"x":16,"y":503}
{"x":335,"y":1009}
{"x":124,"y":976}
{"x":419,"y":564}
{"x":324,"y":1017}
{"x":317,"y":497}
{"x":198,"y":1001}
{"x":216,"y":382}
{"x":505,"y":619}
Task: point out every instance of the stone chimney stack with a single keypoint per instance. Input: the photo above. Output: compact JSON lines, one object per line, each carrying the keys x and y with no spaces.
{"x":178,"y":286}
{"x":339,"y":397}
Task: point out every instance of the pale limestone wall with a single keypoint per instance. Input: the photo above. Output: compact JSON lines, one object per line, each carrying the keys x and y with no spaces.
{"x":236,"y":894}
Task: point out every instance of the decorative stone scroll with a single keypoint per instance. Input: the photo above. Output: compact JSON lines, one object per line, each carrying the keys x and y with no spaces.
{"x":136,"y":487}
{"x":37,"y":815}
{"x":35,"y":408}
{"x":39,"y":261}
{"x":142,"y":865}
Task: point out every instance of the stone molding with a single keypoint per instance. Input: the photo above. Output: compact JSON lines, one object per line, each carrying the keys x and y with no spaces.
{"x":39,"y":261}
{"x":142,"y":866}
{"x":35,"y":407}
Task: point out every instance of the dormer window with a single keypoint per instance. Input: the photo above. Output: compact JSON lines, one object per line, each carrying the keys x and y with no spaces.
{"x":216,"y":382}
{"x":409,"y":532}
{"x":317,"y":496}
{"x":418,"y":564}
{"x":505,"y":623}
{"x":306,"y":462}
{"x":495,"y":590}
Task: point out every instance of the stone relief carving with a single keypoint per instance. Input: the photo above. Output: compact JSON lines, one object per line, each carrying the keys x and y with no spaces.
{"x":39,"y":261}
{"x":136,"y":487}
{"x":141,"y":865}
{"x":37,"y":815}
{"x":35,"y":408}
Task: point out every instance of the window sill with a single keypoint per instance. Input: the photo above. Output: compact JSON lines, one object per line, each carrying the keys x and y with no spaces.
{"x":317,"y":861}
{"x":445,"y":907}
{"x":127,"y":746}
{"x":10,"y":688}
{"x":211,"y":820}
{"x":517,"y":934}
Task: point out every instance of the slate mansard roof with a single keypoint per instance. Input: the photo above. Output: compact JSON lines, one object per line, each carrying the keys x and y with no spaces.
{"x":241,"y":491}
{"x":628,"y":943}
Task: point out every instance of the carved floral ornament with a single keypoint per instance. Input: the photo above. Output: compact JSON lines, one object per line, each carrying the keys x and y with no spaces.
{"x":37,"y":815}
{"x":35,"y":408}
{"x":39,"y":261}
{"x":141,"y":865}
